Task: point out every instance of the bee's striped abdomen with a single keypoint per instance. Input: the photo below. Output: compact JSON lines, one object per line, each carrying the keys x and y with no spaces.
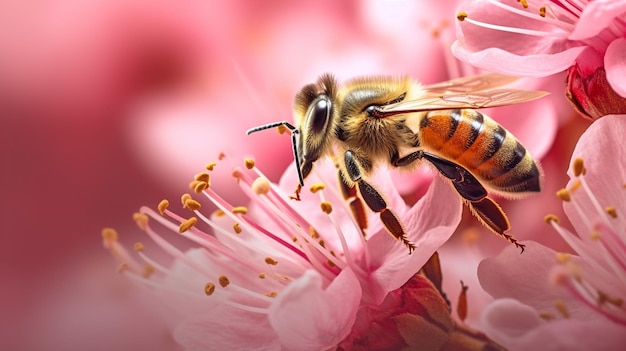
{"x":483,"y":147}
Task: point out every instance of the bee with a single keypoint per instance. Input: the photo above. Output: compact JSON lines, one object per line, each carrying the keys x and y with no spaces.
{"x":398,"y":121}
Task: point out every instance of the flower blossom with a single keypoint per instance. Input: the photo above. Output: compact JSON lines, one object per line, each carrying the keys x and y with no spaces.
{"x":538,"y":38}
{"x":283,"y":274}
{"x":548,"y":300}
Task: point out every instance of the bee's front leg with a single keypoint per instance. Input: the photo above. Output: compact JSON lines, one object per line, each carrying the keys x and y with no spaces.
{"x":375,"y":201}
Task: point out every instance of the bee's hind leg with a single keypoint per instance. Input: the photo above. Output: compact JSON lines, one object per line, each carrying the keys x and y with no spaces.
{"x":375,"y":201}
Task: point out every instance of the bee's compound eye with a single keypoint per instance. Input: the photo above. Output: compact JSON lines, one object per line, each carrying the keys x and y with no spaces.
{"x":319,"y":114}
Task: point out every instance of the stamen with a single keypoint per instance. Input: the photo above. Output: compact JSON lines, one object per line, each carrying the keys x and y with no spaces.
{"x":138,"y":247}
{"x":123,"y":267}
{"x":148,"y":271}
{"x":223,"y":280}
{"x":209,"y":289}
{"x":211,"y":166}
{"x":561,"y":308}
{"x":271,"y":261}
{"x":550,"y":219}
{"x":109,"y":236}
{"x":317,"y":187}
{"x":561,"y":34}
{"x":203,"y":177}
{"x":162,"y":206}
{"x":240,"y":210}
{"x":261,"y":186}
{"x":186,"y":225}
{"x":249,"y":163}
{"x":327,"y":207}
{"x":611,"y":211}
{"x":237,"y":228}
{"x":192,"y":205}
{"x":141,"y":220}
{"x":578,"y":166}
{"x":563,"y":258}
{"x":542,"y":11}
{"x":563,"y":194}
{"x":184,"y":198}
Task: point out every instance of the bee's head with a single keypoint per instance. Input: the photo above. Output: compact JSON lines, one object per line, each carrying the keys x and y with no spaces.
{"x":313,"y":113}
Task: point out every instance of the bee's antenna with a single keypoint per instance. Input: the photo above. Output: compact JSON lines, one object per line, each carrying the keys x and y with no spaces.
{"x":294,"y":141}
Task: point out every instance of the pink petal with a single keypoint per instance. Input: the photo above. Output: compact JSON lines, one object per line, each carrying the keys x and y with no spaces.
{"x":519,"y":327}
{"x":308,"y":317}
{"x":615,"y":65}
{"x":531,"y":65}
{"x":431,"y":222}
{"x":606,"y":174}
{"x":596,"y":17}
{"x":525,"y":277}
{"x":227,"y":329}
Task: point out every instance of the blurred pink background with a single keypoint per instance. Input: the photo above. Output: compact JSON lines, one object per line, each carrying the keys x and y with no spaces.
{"x":109,"y":105}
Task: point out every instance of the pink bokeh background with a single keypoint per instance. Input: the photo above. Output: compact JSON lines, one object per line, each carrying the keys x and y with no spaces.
{"x":107,"y":106}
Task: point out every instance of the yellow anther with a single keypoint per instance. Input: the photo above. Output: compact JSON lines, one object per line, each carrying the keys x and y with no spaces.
{"x":162,"y":206}
{"x":330,"y":263}
{"x":192,"y":205}
{"x":186,"y":225}
{"x":281,"y":129}
{"x":564,"y":195}
{"x":562,"y":257}
{"x":240,"y":210}
{"x":221,"y":156}
{"x":184,"y":198}
{"x":141,"y":219}
{"x":271,"y":261}
{"x":122,"y":267}
{"x":470,"y":235}
{"x":209,"y":289}
{"x":524,"y":3}
{"x":236,"y":173}
{"x":546,"y":316}
{"x":611,"y":211}
{"x":294,"y":239}
{"x":322,"y":243}
{"x":219,"y":213}
{"x":551,"y":218}
{"x":262,"y":275}
{"x":314,"y":234}
{"x":148,"y":271}
{"x":326,"y":206}
{"x":210,"y":166}
{"x":261,"y":186}
{"x":138,"y":247}
{"x":200,"y":187}
{"x":594,"y":235}
{"x":542,"y":11}
{"x":249,"y":163}
{"x":271,"y":294}
{"x":461,"y":16}
{"x":561,"y":308}
{"x":575,"y":185}
{"x":223,"y":281}
{"x":317,"y":187}
{"x":237,"y":228}
{"x":203,"y":177}
{"x":109,"y":235}
{"x":578,"y":166}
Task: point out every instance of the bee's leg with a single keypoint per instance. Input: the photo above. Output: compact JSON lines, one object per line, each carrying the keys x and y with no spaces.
{"x":356,"y":204}
{"x":484,"y":208}
{"x":375,"y":201}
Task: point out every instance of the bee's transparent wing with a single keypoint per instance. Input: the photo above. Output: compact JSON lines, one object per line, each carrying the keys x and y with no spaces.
{"x":468,"y":92}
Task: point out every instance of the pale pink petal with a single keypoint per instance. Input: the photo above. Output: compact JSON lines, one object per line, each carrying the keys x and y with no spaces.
{"x":615,"y":65}
{"x":524,"y":277}
{"x":532,"y":65}
{"x":596,"y":17}
{"x":227,"y":329}
{"x":308,"y":317}
{"x":432,"y":221}
{"x":606,"y":173}
{"x":527,"y":331}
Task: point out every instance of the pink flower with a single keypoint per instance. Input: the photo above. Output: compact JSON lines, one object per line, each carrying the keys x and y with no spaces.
{"x":553,"y":300}
{"x":532,"y":38}
{"x":281,"y":273}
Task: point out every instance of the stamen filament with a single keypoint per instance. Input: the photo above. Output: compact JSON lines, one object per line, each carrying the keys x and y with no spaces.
{"x":561,"y":34}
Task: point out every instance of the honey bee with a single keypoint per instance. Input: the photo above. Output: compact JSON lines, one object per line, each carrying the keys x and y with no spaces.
{"x":397,"y":120}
